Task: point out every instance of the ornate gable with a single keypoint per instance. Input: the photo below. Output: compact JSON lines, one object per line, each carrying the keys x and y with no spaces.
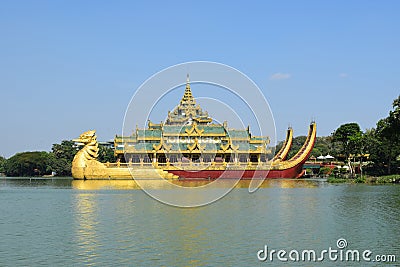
{"x":194,"y":131}
{"x":229,"y":146}
{"x":162,"y":146}
{"x":195,"y":146}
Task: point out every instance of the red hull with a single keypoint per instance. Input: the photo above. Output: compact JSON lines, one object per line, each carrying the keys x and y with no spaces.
{"x":294,"y":172}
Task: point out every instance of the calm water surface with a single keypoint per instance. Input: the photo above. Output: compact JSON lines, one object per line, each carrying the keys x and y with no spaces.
{"x":72,"y":223}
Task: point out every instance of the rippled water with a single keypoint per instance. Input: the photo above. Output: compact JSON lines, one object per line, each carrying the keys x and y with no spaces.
{"x":75,"y":223}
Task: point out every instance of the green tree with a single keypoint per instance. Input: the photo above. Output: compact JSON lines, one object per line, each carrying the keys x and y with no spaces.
{"x":373,"y":146}
{"x":35,"y":163}
{"x":61,"y":166}
{"x":106,"y":154}
{"x":388,"y":145}
{"x":383,"y":143}
{"x":65,"y":150}
{"x":385,"y":147}
{"x":347,"y":139}
{"x":392,"y":133}
{"x":322,"y":146}
{"x":2,"y":164}
{"x":62,"y":156}
{"x":297,"y":143}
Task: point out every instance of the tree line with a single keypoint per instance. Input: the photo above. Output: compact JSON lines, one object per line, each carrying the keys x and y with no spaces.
{"x":58,"y":161}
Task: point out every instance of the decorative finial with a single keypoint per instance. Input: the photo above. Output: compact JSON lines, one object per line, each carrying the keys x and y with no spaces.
{"x":187,"y":78}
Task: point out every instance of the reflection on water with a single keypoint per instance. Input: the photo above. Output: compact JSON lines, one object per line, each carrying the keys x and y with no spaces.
{"x":104,"y":184}
{"x":86,"y":222}
{"x":160,"y":184}
{"x":93,"y":223}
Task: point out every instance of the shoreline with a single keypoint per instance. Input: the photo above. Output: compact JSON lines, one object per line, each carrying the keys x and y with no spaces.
{"x":372,"y":180}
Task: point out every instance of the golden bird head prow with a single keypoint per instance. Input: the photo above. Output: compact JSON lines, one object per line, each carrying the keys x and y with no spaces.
{"x":86,"y":137}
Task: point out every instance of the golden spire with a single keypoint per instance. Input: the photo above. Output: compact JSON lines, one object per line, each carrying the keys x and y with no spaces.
{"x":187,"y":96}
{"x":187,"y":111}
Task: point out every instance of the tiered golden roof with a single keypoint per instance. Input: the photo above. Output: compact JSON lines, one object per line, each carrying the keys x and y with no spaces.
{"x":189,"y":132}
{"x":187,"y":111}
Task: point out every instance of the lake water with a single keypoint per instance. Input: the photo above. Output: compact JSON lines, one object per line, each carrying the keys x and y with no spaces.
{"x":74,"y":223}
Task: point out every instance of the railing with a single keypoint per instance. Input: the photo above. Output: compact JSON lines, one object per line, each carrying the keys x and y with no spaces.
{"x":128,"y":165}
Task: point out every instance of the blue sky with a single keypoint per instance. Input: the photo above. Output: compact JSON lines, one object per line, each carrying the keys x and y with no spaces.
{"x":70,"y":66}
